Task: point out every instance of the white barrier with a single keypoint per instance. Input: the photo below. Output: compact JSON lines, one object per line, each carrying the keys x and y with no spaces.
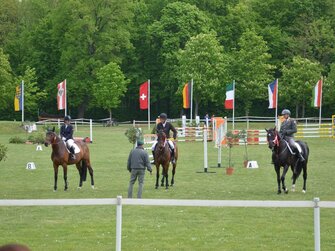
{"x":119,"y":202}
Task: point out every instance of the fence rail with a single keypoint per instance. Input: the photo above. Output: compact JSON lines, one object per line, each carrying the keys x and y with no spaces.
{"x":316,"y":204}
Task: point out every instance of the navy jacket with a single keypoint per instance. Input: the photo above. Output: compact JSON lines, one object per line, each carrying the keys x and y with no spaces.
{"x":168,"y":127}
{"x":66,"y":132}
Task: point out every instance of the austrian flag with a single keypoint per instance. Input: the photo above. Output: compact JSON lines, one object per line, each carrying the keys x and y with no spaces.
{"x":61,"y":95}
{"x":144,"y":95}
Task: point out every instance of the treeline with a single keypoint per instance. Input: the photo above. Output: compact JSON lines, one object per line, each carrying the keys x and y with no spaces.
{"x":106,"y":48}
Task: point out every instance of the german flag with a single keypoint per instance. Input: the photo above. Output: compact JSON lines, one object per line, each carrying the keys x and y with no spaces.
{"x":187,"y":95}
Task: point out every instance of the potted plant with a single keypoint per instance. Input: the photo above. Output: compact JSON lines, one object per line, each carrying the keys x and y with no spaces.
{"x":243,"y":136}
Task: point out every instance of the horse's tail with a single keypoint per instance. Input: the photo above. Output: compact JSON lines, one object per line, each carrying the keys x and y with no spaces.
{"x":83,"y":170}
{"x":305,"y":152}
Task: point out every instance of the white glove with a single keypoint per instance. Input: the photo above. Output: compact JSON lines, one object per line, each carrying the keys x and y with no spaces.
{"x":63,"y":138}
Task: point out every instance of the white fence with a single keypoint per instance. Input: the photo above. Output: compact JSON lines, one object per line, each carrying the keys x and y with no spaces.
{"x":316,"y":204}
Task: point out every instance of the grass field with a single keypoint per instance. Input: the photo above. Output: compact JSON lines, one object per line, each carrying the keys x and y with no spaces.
{"x":163,"y":228}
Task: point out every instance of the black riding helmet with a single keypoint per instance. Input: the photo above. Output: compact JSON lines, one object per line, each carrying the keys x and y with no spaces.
{"x":163,"y":116}
{"x":67,"y":118}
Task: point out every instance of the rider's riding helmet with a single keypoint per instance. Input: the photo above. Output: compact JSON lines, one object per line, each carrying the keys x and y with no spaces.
{"x":67,"y":118}
{"x":286,"y":111}
{"x":163,"y":116}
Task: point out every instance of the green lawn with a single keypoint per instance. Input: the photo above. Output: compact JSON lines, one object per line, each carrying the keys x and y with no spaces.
{"x":163,"y":228}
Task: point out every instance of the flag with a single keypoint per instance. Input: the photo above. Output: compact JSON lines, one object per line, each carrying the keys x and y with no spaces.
{"x":187,"y":95}
{"x":144,"y":97}
{"x":18,"y":98}
{"x":317,"y":94}
{"x":230,"y":95}
{"x":273,"y":89}
{"x":61,"y":95}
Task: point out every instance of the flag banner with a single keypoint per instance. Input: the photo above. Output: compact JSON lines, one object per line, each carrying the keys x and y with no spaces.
{"x":187,"y":95}
{"x":317,"y":93}
{"x":18,"y":98}
{"x":273,"y":89}
{"x":144,"y":104}
{"x":230,"y":95}
{"x":61,"y":95}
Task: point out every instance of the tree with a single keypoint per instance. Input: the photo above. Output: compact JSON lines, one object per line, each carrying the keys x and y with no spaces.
{"x":328,"y":91}
{"x":110,"y":87}
{"x":298,"y":80}
{"x":249,"y":66}
{"x":203,"y":60}
{"x":7,"y":87}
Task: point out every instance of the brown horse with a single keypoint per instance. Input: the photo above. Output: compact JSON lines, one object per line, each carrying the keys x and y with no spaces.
{"x":60,"y":156}
{"x":162,"y":156}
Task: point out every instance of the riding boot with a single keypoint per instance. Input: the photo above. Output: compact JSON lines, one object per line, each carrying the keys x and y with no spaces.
{"x":301,"y":158}
{"x":72,"y":153}
{"x":173,"y":160}
{"x":153,"y":157}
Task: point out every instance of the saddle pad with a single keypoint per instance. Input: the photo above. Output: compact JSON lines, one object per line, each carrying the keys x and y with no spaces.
{"x":76,"y":148}
{"x":298,"y":147}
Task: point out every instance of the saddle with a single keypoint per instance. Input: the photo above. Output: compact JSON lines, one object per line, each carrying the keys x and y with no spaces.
{"x":75,"y":146}
{"x":290,"y":149}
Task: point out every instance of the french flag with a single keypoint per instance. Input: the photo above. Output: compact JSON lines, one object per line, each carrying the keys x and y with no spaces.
{"x":273,"y":91}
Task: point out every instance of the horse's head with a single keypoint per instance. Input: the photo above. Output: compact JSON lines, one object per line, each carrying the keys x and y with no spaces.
{"x":161,"y":138}
{"x":50,"y":137}
{"x":272,"y":137}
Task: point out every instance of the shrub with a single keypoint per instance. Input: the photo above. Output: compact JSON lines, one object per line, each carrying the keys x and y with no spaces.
{"x":36,"y":138}
{"x":17,"y":140}
{"x":3,"y":152}
{"x":133,"y":134}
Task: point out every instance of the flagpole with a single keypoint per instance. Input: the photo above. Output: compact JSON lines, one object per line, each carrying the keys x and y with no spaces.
{"x":191,"y":100}
{"x":65,"y":98}
{"x":276,"y":115}
{"x":234,"y":105}
{"x":320,"y":102}
{"x":149,"y":105}
{"x":22,"y":90}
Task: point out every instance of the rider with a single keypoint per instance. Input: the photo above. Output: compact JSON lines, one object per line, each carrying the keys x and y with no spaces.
{"x":166,"y":127}
{"x":66,"y":132}
{"x":287,"y":130}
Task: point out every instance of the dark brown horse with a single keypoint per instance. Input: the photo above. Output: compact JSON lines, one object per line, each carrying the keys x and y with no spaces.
{"x":282,"y":156}
{"x":61,"y":157}
{"x":162,"y":156}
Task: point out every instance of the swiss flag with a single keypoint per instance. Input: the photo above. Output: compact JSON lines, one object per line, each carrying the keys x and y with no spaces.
{"x":144,"y":96}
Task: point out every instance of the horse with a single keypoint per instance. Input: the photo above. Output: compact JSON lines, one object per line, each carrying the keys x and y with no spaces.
{"x":60,"y":156}
{"x":162,"y":156}
{"x":282,"y":156}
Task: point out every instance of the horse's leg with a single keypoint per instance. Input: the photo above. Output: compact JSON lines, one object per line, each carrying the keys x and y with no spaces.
{"x":90,"y":169}
{"x":167,"y":176}
{"x":80,"y":175}
{"x":283,"y":178}
{"x":173,"y":172}
{"x":277,"y":169}
{"x":65,"y":176}
{"x":55,"y":176}
{"x":157,"y":176}
{"x":304,"y":169}
{"x":163,"y":175}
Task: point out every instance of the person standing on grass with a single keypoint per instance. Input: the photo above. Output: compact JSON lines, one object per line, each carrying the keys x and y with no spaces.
{"x":138,"y":161}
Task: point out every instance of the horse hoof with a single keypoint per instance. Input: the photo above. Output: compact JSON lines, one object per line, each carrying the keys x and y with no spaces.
{"x":156,"y":187}
{"x":162,"y":185}
{"x":55,"y":190}
{"x":286,"y":191}
{"x":92,"y":187}
{"x":279,"y":192}
{"x":78,"y":188}
{"x":303,"y":191}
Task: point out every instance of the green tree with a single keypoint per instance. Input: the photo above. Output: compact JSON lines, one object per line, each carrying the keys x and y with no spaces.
{"x":249,"y":66}
{"x":297,"y":82}
{"x":328,"y":91}
{"x":203,"y":60}
{"x":110,"y":87}
{"x":7,"y":87}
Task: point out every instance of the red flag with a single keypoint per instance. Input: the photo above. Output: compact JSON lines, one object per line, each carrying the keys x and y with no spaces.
{"x":61,"y":95}
{"x":144,"y":96}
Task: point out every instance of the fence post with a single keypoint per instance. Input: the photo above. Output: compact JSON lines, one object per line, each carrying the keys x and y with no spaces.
{"x":205,"y":150}
{"x":91,"y":131}
{"x":316,"y":224}
{"x":118,"y":222}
